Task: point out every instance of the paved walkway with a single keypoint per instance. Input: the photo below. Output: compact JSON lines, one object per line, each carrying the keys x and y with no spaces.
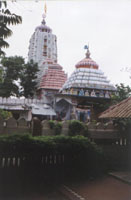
{"x":105,"y":188}
{"x":51,"y":195}
{"x":124,"y":176}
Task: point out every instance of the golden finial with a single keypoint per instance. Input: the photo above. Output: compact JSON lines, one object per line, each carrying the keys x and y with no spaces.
{"x":45,"y":9}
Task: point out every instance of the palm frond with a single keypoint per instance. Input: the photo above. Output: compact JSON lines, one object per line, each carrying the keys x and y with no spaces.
{"x":3,"y":43}
{"x":10,"y":18}
{"x":4,"y":31}
{"x":3,"y":3}
{"x":2,"y":53}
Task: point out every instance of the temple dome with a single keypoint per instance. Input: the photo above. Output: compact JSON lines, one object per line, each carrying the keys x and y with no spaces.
{"x":87,"y":75}
{"x":43,"y":27}
{"x":87,"y":62}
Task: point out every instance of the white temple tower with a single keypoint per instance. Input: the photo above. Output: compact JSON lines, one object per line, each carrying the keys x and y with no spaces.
{"x":43,"y":47}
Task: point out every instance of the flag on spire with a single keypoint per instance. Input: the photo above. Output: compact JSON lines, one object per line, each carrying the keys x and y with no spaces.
{"x":85,"y":47}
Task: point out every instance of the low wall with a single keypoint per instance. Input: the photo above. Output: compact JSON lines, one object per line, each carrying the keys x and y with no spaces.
{"x":12,"y":126}
{"x":99,"y":133}
{"x":95,"y":131}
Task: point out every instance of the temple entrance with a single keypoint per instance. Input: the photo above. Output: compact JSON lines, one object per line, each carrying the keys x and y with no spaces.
{"x":63,"y":109}
{"x":83,"y":114}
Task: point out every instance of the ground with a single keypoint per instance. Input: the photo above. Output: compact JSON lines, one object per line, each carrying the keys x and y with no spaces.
{"x":102,"y":188}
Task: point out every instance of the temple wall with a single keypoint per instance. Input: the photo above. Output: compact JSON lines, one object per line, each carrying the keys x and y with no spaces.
{"x":9,"y":101}
{"x":12,"y":126}
{"x":100,"y":133}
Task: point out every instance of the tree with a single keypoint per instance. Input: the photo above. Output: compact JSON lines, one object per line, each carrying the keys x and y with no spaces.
{"x":28,"y":79}
{"x":12,"y":67}
{"x":18,"y":78}
{"x":123,"y":93}
{"x":6,"y":18}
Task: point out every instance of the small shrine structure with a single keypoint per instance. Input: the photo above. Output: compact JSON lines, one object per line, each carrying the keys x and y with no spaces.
{"x":84,"y":91}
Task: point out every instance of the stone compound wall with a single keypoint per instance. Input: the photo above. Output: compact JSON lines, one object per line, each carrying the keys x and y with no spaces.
{"x":12,"y":126}
{"x":102,"y":131}
{"x":96,"y":132}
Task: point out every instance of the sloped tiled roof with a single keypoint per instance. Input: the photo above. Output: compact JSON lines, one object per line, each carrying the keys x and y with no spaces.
{"x":54,"y":78}
{"x":120,"y":110}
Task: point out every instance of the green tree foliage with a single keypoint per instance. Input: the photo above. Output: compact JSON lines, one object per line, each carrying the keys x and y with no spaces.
{"x":5,"y":114}
{"x":6,"y":18}
{"x":19,"y":78}
{"x":1,"y":75}
{"x":55,"y":126}
{"x":81,"y":157}
{"x":77,"y":128}
{"x":12,"y":69}
{"x":123,"y":93}
{"x":28,"y":79}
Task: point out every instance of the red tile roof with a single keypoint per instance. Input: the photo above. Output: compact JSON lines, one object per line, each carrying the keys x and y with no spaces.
{"x":54,"y":78}
{"x":120,"y":110}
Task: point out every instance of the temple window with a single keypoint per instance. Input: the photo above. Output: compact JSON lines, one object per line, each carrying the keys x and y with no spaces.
{"x":44,"y":53}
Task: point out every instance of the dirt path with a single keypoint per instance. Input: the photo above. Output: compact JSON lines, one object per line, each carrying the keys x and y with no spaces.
{"x":106,"y":188}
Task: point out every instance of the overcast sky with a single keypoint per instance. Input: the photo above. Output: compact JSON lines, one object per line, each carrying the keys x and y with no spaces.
{"x":104,"y":24}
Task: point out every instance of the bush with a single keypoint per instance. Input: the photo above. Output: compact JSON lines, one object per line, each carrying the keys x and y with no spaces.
{"x":5,"y":114}
{"x":51,"y":124}
{"x":81,"y":157}
{"x":55,"y":126}
{"x":77,"y":128}
{"x":58,"y":128}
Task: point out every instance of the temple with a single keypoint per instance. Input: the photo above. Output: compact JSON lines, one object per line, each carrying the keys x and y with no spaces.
{"x":43,"y":47}
{"x":58,"y":97}
{"x":85,"y":90}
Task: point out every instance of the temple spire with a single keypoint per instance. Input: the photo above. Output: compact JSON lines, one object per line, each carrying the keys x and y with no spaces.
{"x":45,"y":9}
{"x":88,"y":52}
{"x":44,"y":14}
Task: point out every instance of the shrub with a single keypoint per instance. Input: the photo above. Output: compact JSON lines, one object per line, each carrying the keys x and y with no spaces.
{"x":77,"y":128}
{"x":51,"y":124}
{"x":81,"y":157}
{"x":22,"y":144}
{"x":55,"y":126}
{"x":5,"y":114}
{"x":58,"y":128}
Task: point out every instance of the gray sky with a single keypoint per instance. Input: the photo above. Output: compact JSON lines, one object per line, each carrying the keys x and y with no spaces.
{"x":104,"y":24}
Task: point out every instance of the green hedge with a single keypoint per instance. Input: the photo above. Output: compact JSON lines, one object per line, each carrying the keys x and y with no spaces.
{"x":20,"y":144}
{"x":77,"y":127}
{"x":82,"y":157}
{"x":55,"y":126}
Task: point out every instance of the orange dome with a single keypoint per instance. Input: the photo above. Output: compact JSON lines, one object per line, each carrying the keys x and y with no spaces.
{"x":87,"y":62}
